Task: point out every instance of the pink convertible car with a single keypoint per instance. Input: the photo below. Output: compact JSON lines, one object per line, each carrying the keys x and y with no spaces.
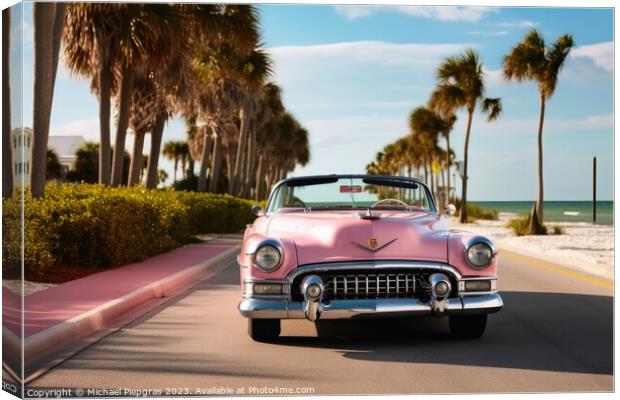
{"x":354,"y":246}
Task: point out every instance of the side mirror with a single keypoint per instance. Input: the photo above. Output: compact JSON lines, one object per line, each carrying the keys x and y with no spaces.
{"x":450,"y":210}
{"x":258,"y":210}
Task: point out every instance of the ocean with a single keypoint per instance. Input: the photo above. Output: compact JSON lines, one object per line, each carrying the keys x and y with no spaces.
{"x":558,"y":211}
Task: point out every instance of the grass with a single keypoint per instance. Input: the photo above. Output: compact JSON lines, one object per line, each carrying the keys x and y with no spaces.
{"x":475,"y":212}
{"x":521,"y":227}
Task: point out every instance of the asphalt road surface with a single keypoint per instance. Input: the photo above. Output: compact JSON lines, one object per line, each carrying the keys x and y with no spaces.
{"x":555,"y":334}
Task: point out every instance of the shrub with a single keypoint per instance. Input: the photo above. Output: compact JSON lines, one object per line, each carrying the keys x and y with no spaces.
{"x":558,"y":230}
{"x":475,"y":212}
{"x":521,"y":226}
{"x":96,"y":226}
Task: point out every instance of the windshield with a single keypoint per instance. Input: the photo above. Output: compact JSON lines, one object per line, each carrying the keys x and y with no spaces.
{"x":351,"y":193}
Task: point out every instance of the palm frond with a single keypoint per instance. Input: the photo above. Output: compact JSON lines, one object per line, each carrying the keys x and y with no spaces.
{"x":492,"y":107}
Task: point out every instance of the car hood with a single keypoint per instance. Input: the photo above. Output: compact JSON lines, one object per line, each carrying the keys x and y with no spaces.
{"x":322,"y":236}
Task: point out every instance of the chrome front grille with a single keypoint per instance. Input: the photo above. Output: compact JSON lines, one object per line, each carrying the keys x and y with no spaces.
{"x":352,"y":284}
{"x":377,"y":285}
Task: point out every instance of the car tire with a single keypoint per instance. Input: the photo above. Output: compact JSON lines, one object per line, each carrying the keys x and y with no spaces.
{"x":468,"y":326}
{"x":264,"y":330}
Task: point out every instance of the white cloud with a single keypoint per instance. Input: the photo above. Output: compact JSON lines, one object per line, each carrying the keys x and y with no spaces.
{"x":355,"y":12}
{"x":488,"y":33}
{"x":600,"y":121}
{"x":601,"y":54}
{"x":372,"y":51}
{"x":494,"y":76}
{"x":441,"y":13}
{"x":517,"y":24}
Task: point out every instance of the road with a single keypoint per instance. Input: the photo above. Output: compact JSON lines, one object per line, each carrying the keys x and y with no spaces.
{"x":554,"y":334}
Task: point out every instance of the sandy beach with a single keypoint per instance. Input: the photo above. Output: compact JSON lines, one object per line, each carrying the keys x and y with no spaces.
{"x":584,"y":246}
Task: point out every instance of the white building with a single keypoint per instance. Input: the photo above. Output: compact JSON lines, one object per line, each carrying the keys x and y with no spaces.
{"x":66,"y":147}
{"x":21,"y":142}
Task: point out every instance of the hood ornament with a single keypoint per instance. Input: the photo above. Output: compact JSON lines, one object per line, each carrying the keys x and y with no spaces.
{"x":373,"y":244}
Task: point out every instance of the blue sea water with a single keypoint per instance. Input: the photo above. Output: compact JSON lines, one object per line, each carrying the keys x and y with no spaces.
{"x":555,"y":211}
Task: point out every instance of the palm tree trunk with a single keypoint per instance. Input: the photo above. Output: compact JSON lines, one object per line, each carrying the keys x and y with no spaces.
{"x":540,"y":201}
{"x":176,"y":167}
{"x":463,"y":211}
{"x":448,"y":168}
{"x":217,"y":162}
{"x":443,"y":193}
{"x":250,"y":176}
{"x":230,"y":154}
{"x":44,"y":17}
{"x":183,"y":167}
{"x":259,"y":183}
{"x":59,"y":25}
{"x":241,"y":149}
{"x":105,"y":92}
{"x":136,"y":160}
{"x":430,"y":167}
{"x":204,"y":163}
{"x":156,"y":136}
{"x":124,"y":108}
{"x":7,"y":156}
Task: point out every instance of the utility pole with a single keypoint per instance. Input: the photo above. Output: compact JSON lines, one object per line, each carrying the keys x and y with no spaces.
{"x":594,"y":190}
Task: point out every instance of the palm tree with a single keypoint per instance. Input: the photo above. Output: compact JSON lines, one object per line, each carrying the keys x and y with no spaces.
{"x":461,"y":85}
{"x":92,"y":50}
{"x":425,"y":127}
{"x":53,"y":169}
{"x":172,"y":151}
{"x":162,"y":175}
{"x":145,"y":163}
{"x":154,"y":36}
{"x":432,"y":125}
{"x":7,"y":154}
{"x":184,"y":157}
{"x":269,"y":106}
{"x":101,"y":41}
{"x":533,"y":60}
{"x":181,"y":87}
{"x":255,"y":70}
{"x":48,"y":21}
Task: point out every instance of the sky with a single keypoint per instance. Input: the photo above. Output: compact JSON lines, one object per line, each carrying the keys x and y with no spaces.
{"x":352,"y":75}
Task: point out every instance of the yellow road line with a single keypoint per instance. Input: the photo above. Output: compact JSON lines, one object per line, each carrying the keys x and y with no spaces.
{"x":602,"y":282}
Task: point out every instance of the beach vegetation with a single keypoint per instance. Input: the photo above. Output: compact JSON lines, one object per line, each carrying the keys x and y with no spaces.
{"x":558,"y":230}
{"x":475,"y":212}
{"x":521,"y":226}
{"x":533,"y":60}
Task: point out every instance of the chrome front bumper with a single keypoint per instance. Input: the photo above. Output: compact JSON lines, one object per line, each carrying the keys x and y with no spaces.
{"x":369,"y":308}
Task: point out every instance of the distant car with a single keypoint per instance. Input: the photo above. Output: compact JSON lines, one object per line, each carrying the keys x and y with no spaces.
{"x":353,"y":246}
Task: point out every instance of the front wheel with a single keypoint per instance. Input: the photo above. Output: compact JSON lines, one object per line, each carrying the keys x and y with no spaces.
{"x":264,"y":330}
{"x":468,"y":326}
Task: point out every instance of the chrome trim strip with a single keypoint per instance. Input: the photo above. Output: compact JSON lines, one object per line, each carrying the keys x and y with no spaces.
{"x":372,"y":265}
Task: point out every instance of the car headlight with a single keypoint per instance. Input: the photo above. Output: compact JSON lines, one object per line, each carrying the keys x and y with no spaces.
{"x":267,"y":258}
{"x":480,"y":255}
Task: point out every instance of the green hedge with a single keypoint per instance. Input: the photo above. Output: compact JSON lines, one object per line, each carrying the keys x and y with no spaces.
{"x":97,"y":226}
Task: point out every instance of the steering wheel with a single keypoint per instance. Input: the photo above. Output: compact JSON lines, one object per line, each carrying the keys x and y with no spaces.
{"x":379,"y":202}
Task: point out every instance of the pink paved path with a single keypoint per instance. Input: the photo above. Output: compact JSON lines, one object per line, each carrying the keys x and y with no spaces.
{"x":59,"y":303}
